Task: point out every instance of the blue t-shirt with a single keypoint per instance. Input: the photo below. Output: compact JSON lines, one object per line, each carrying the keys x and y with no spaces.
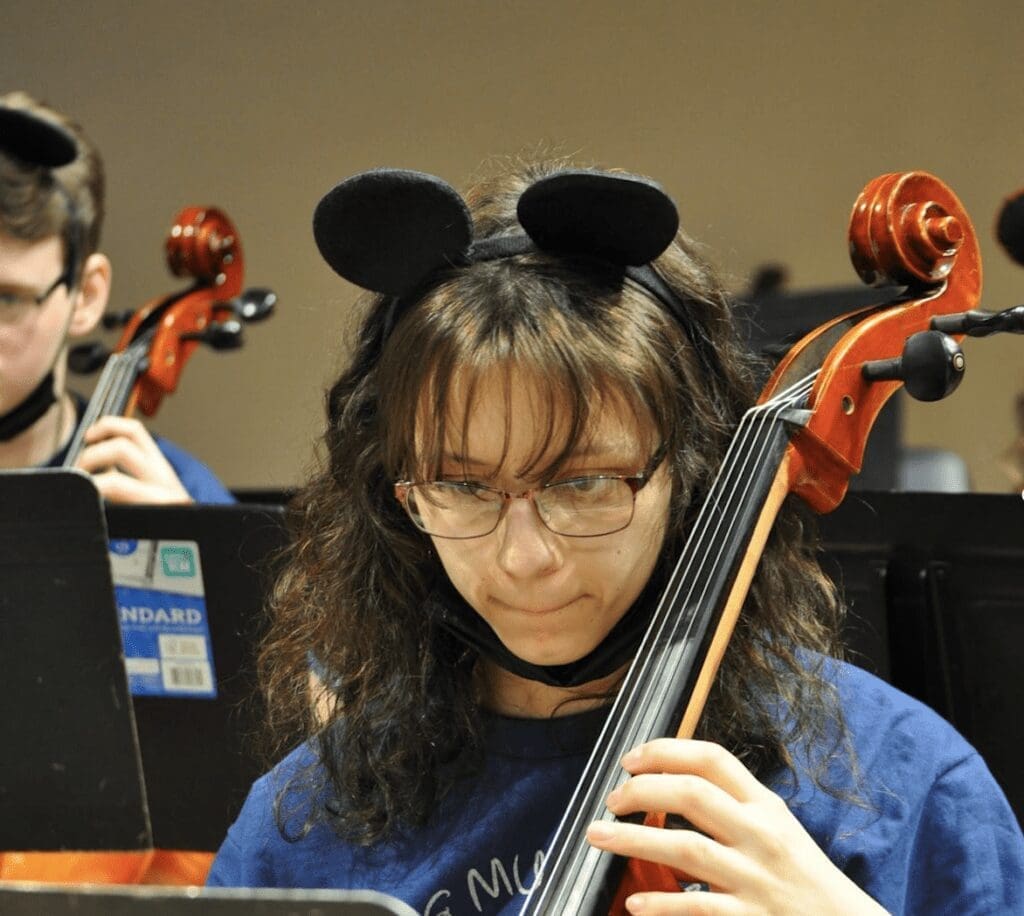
{"x":198,"y":480}
{"x":934,"y":833}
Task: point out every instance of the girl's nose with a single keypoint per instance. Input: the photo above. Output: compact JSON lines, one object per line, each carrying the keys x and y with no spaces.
{"x":525,"y":546}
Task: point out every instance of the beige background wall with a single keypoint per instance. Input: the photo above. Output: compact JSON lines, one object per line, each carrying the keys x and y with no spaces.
{"x":763,"y":121}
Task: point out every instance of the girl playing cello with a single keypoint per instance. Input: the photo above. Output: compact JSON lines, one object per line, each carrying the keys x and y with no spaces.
{"x":529,"y":427}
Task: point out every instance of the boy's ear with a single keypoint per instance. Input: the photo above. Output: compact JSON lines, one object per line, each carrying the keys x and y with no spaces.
{"x":92,"y":295}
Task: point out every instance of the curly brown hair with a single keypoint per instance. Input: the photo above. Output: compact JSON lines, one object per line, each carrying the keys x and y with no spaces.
{"x":403,"y":711}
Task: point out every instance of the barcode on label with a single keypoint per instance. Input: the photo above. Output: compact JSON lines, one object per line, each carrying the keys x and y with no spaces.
{"x":182,"y":646}
{"x":191,"y":676}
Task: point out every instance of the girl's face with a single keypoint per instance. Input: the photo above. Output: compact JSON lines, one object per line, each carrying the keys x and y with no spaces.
{"x":550,"y":598}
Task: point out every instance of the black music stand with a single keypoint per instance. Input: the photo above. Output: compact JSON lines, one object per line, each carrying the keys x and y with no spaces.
{"x":87,"y":765}
{"x":951,"y":607}
{"x":70,"y":768}
{"x":199,"y":751}
{"x":27,"y":899}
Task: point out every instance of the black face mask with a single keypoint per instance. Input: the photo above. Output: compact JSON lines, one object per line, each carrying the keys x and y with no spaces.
{"x":20,"y":418}
{"x":452,"y":611}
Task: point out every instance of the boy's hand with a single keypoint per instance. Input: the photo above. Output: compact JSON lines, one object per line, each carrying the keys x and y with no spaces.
{"x":126,"y":464}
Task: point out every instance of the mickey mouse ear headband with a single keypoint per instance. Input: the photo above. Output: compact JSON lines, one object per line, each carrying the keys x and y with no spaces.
{"x":36,"y":141}
{"x":391,"y":230}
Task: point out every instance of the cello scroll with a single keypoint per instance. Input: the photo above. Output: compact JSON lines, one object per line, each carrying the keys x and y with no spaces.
{"x":907,"y":229}
{"x":158,"y":338}
{"x":203,"y":245}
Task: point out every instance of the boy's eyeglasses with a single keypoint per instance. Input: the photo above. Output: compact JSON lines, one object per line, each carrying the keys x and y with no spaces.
{"x":582,"y":507}
{"x":14,"y":304}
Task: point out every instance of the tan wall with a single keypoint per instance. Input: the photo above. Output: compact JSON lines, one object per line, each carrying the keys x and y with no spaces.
{"x":763,"y":121}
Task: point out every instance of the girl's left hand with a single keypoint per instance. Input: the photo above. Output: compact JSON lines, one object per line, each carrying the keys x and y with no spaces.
{"x":751,"y":851}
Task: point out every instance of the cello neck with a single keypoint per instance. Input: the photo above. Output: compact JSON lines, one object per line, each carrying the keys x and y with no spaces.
{"x":669,"y":679}
{"x":112,"y":395}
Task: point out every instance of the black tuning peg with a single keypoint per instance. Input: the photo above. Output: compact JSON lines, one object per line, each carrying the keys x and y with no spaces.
{"x":113,"y":320}
{"x":221,"y":335}
{"x":86,"y":358}
{"x":931,"y":367}
{"x":254,"y":304}
{"x":976,"y":323}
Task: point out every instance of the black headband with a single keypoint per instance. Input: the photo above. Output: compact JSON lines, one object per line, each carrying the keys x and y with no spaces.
{"x":38,"y":142}
{"x":392,"y":230}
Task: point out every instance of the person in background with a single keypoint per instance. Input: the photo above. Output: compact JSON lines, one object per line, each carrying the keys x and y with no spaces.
{"x":541,"y":394}
{"x":54,"y":287}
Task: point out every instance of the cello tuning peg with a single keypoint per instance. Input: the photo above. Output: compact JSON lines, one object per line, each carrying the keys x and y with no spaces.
{"x":220,"y":335}
{"x":224,"y":335}
{"x":86,"y":358}
{"x":931,"y":367}
{"x":255,"y":304}
{"x":976,"y":323}
{"x":113,"y":320}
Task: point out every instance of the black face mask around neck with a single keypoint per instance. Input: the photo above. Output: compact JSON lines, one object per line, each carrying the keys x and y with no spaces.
{"x":20,"y":418}
{"x":455,"y":614}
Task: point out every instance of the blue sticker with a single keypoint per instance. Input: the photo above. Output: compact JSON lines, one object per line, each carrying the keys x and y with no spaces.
{"x":164,"y":628}
{"x":124,"y":547}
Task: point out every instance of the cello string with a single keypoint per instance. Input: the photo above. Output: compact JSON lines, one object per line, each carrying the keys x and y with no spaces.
{"x":754,"y":445}
{"x":119,"y":398}
{"x":731,"y":467}
{"x":110,"y":394}
{"x":767,"y":424}
{"x":90,"y":414}
{"x":721,"y":503}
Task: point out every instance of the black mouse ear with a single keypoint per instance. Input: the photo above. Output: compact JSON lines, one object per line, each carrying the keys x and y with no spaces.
{"x":1010,"y":227}
{"x":387,"y":229}
{"x":623,"y":219}
{"x":35,"y":140}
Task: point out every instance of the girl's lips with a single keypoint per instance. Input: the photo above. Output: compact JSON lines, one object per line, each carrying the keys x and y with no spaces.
{"x":536,"y":612}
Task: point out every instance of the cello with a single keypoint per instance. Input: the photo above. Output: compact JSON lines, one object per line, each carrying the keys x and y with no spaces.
{"x":159,"y":338}
{"x":806,"y":436}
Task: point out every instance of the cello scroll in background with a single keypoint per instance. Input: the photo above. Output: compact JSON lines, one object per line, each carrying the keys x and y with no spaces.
{"x":159,"y":338}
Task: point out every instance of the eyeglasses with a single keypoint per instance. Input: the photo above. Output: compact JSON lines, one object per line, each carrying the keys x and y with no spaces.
{"x":581,"y":507}
{"x":13,"y":305}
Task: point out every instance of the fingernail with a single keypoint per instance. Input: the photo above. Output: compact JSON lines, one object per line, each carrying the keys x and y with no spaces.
{"x":613,"y":797}
{"x":600,"y":830}
{"x":635,"y":904}
{"x":631,"y":758}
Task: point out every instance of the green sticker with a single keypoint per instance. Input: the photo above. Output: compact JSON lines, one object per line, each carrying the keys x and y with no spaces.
{"x":178,"y":561}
